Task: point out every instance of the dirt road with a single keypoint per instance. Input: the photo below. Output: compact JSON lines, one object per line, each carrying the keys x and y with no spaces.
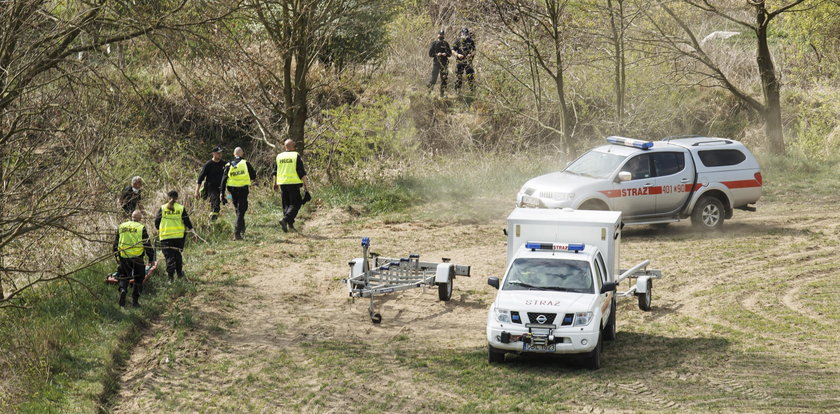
{"x":744,"y":321}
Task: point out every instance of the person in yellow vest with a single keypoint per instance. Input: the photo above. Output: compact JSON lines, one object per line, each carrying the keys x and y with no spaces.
{"x":289,"y":175}
{"x":172,"y":222}
{"x":130,"y":244}
{"x":237,"y":177}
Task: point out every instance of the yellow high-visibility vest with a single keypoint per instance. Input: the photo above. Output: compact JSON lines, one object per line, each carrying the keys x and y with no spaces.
{"x":171,"y":222}
{"x":131,"y":239}
{"x":238,"y":175}
{"x":287,"y":168}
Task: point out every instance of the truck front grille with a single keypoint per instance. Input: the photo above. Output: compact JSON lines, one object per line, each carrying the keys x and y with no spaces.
{"x":549,"y":317}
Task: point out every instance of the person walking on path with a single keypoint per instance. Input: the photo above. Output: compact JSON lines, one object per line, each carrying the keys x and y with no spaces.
{"x":237,"y":177}
{"x":289,"y":176}
{"x":440,"y":52}
{"x":211,"y":175}
{"x":130,"y":196}
{"x":130,"y":244}
{"x":464,"y":50}
{"x":172,"y":221}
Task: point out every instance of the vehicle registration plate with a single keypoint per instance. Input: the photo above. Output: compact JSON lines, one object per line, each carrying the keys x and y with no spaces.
{"x":530,"y":201}
{"x":541,"y":348}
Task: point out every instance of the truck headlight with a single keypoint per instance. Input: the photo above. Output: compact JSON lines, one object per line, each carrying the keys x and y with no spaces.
{"x":502,"y":315}
{"x":583,"y":318}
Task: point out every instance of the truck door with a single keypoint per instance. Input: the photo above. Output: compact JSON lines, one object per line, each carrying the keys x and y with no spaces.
{"x":636,"y":197}
{"x":674,"y":180}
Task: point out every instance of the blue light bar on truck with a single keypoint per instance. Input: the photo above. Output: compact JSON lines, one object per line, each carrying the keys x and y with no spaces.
{"x":630,"y":142}
{"x":571,"y":247}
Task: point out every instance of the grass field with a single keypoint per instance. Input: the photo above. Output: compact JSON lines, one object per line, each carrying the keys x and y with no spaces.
{"x":743,"y":320}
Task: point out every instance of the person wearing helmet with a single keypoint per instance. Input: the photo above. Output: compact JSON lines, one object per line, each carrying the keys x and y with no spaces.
{"x":440,"y":52}
{"x":464,"y":51}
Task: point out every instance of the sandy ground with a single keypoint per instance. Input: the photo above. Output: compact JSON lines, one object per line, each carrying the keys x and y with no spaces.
{"x":286,"y":337}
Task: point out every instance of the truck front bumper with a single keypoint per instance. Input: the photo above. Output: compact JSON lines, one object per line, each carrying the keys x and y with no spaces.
{"x":522,"y":339}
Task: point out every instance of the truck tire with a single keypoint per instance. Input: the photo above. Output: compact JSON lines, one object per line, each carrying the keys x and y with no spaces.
{"x":708,"y":213}
{"x":445,"y":289}
{"x":495,"y":356}
{"x":593,"y":361}
{"x":609,"y":330}
{"x":597,"y":205}
{"x":645,"y":298}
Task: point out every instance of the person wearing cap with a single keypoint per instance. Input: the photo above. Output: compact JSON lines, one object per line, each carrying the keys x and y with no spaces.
{"x":211,"y":174}
{"x":236,"y":178}
{"x":289,"y":176}
{"x":464,"y":51}
{"x":129,"y":199}
{"x":440,"y":52}
{"x":130,"y":244}
{"x":172,"y":221}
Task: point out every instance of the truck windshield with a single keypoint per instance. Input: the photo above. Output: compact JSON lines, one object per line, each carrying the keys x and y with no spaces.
{"x":549,"y":274}
{"x":595,"y":164}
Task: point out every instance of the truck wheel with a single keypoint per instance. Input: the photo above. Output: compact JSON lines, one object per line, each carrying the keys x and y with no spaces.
{"x":445,"y":289}
{"x":708,"y":213}
{"x":645,"y":298}
{"x":495,"y":356}
{"x":597,"y":205}
{"x":593,"y":361}
{"x":609,"y":330}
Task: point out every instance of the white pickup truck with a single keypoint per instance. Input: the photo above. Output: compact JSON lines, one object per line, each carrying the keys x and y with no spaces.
{"x":655,"y":182}
{"x":560,"y":286}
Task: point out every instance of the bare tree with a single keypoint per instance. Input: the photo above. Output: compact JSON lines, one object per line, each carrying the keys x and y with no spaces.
{"x":541,"y":27}
{"x":50,"y":130}
{"x":755,"y":16}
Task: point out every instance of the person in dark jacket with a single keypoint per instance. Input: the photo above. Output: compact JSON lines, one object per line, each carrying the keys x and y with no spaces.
{"x":464,"y":51}
{"x":236,"y":178}
{"x":440,"y":52}
{"x":129,"y":199}
{"x":130,"y":244}
{"x":289,"y":176}
{"x":211,"y":175}
{"x":172,"y":222}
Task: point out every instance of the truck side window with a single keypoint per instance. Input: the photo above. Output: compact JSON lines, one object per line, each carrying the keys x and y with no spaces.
{"x":721,"y":158}
{"x":638,"y":166}
{"x":602,"y":270}
{"x":668,"y":163}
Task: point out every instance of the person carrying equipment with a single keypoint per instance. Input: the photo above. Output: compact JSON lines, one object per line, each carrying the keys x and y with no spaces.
{"x":237,"y":177}
{"x":440,"y":52}
{"x":129,"y":199}
{"x":211,"y":175}
{"x":130,"y":244}
{"x":289,"y":175}
{"x":464,"y":50}
{"x":171,"y":221}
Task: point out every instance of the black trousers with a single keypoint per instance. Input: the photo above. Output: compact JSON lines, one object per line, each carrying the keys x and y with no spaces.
{"x":240,"y":203}
{"x":132,"y":268}
{"x":460,"y":70}
{"x":172,"y":249}
{"x":290,"y":194}
{"x":215,"y":200}
{"x":442,"y":69}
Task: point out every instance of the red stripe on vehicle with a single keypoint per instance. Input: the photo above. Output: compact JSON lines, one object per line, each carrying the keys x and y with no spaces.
{"x":742,"y":184}
{"x":611,"y":193}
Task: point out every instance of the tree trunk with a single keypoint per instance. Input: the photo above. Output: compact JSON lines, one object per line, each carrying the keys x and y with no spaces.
{"x":769,"y":85}
{"x":620,"y":81}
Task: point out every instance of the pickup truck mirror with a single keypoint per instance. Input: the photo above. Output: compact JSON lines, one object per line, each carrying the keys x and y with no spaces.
{"x":609,"y":287}
{"x":493,"y":281}
{"x":624,"y":176}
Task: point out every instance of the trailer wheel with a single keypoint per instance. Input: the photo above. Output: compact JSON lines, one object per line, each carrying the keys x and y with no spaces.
{"x":593,"y":361}
{"x":495,"y":356}
{"x":609,"y":330}
{"x":445,"y":289}
{"x":376,"y":318}
{"x":645,"y":298}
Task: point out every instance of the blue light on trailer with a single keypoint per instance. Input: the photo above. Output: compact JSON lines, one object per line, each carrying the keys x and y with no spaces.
{"x":571,"y":247}
{"x":366,"y":241}
{"x":630,"y":142}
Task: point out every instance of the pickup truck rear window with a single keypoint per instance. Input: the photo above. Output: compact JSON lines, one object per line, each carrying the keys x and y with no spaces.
{"x":721,"y":158}
{"x":668,"y":163}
